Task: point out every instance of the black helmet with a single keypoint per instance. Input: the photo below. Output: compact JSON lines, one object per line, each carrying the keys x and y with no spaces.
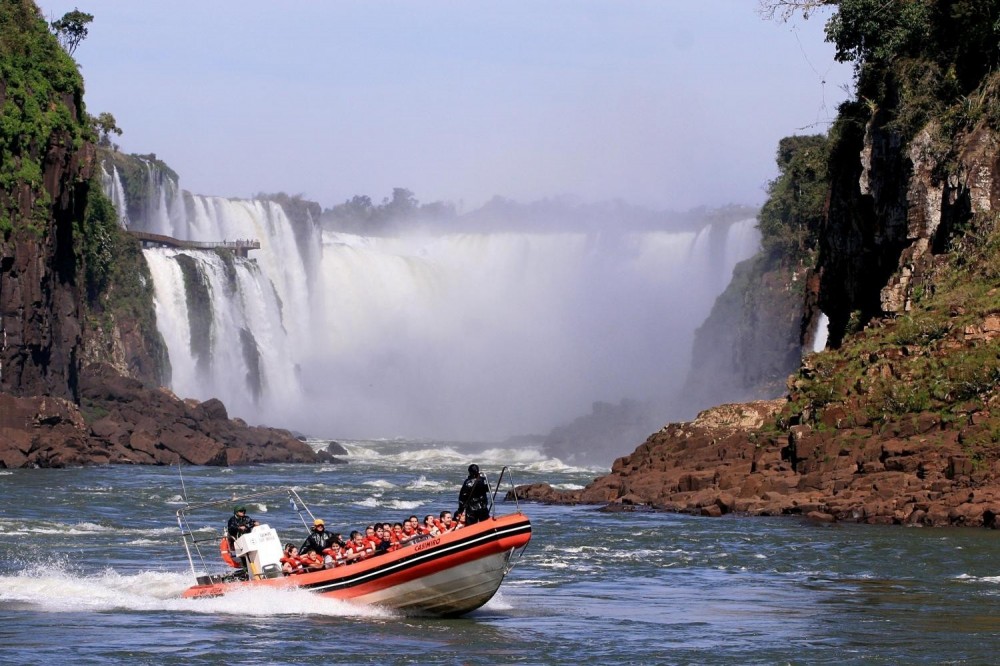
{"x":473,"y":469}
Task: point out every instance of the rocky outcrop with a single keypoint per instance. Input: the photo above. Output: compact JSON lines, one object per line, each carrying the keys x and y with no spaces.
{"x":910,"y":471}
{"x":121,"y":421}
{"x":753,"y":338}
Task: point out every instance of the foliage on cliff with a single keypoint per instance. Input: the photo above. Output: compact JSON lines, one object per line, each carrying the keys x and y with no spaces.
{"x":790,"y":220}
{"x":917,"y":214}
{"x":135,"y":172}
{"x":119,"y":294}
{"x":41,"y":104}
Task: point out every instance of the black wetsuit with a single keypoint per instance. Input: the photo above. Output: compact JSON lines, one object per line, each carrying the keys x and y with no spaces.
{"x":238,"y":526}
{"x":318,"y":541}
{"x":473,"y":499}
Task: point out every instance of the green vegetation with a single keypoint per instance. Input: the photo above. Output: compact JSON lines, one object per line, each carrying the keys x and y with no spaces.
{"x":360,"y":214}
{"x":934,"y":359}
{"x":71,"y":29}
{"x":135,"y":172}
{"x":41,"y":115}
{"x":790,"y":220}
{"x":927,"y":69}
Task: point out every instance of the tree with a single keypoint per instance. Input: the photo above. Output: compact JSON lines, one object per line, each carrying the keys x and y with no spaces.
{"x":71,"y":29}
{"x":403,"y":204}
{"x":790,"y":220}
{"x":104,"y":124}
{"x":785,"y":9}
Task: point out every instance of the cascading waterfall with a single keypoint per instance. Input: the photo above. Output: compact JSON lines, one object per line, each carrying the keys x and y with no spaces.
{"x":821,"y":334}
{"x":428,"y":334}
{"x":112,"y":186}
{"x":491,"y":334}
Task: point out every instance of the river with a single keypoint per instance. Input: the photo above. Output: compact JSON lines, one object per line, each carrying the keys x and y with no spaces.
{"x":92,"y":568}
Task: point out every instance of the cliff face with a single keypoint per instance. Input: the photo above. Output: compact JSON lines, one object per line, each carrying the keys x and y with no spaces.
{"x":43,"y":190}
{"x":753,"y":338}
{"x":899,"y":420}
{"x":75,"y":293}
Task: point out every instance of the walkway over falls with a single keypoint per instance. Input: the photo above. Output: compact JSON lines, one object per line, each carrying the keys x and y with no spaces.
{"x":240,"y":247}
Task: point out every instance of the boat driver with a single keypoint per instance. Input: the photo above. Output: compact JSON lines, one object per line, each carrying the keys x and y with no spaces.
{"x":239,"y":524}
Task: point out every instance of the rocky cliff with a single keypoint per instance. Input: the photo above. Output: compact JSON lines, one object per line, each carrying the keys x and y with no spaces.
{"x":73,"y":291}
{"x":899,"y":420}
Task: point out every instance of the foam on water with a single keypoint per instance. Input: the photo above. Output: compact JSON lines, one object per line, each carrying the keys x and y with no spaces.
{"x":58,"y":590}
{"x":381,"y":484}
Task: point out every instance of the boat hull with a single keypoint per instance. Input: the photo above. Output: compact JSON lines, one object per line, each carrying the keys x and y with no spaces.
{"x":445,"y":575}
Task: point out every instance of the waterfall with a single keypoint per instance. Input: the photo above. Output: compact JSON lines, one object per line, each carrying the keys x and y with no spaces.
{"x":424,"y":333}
{"x":112,"y":186}
{"x":821,"y":334}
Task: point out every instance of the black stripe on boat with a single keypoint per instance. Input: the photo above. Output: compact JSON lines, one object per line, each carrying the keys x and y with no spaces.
{"x":420,"y":558}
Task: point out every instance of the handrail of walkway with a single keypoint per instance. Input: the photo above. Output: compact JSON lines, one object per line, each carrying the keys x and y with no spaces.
{"x":240,"y":245}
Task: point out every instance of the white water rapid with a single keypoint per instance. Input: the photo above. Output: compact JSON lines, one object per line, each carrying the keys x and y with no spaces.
{"x":428,"y":334}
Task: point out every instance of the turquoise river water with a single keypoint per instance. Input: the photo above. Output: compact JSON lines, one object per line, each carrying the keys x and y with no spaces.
{"x":92,"y":568}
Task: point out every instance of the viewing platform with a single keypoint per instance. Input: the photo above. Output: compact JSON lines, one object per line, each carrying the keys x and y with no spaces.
{"x":240,"y":247}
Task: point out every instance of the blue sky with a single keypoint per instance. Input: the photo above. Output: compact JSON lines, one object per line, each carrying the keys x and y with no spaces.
{"x":666,"y":104}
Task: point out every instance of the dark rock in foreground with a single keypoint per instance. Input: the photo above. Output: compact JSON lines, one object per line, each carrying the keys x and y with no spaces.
{"x":121,"y":421}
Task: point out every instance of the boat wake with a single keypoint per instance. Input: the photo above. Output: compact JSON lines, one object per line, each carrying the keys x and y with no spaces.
{"x":55,"y":588}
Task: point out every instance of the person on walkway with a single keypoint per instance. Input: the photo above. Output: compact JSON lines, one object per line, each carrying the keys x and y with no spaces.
{"x":473,"y":498}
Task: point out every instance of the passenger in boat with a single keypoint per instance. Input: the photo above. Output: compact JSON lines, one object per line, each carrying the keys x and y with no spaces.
{"x":459,"y":519}
{"x":430,"y":526}
{"x":239,"y":524}
{"x":372,"y":535}
{"x":398,"y":535}
{"x":445,"y":523}
{"x":312,"y":561}
{"x":290,"y":561}
{"x":382,"y":542}
{"x":473,"y":498}
{"x":357,"y":548}
{"x":409,"y":532}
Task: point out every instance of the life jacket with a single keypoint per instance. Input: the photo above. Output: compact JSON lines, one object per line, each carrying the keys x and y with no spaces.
{"x":336,"y":553}
{"x":294,"y":563}
{"x":227,"y":554}
{"x":311,"y":561}
{"x":362,"y":548}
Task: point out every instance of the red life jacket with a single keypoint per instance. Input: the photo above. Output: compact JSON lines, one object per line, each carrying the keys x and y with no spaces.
{"x":294,"y":563}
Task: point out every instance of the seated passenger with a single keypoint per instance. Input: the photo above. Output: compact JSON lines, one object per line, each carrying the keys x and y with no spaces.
{"x":357,"y":548}
{"x":333,"y":556}
{"x":430,"y":527}
{"x":311,"y":561}
{"x":445,"y":523}
{"x":409,"y":532}
{"x":398,"y":535}
{"x":290,"y":562}
{"x":459,"y":520}
{"x":383,"y":543}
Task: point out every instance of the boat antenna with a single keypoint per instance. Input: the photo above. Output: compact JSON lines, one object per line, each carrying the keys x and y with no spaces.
{"x":184,"y":493}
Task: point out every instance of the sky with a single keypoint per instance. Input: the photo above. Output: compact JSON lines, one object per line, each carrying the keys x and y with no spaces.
{"x":666,"y":104}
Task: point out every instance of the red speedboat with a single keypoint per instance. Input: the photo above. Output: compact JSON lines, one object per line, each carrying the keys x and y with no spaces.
{"x":447,"y":575}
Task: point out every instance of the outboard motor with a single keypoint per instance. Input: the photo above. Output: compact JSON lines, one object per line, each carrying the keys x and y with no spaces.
{"x":262,"y":549}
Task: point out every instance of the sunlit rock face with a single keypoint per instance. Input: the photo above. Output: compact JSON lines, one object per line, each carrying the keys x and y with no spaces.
{"x":429,"y":333}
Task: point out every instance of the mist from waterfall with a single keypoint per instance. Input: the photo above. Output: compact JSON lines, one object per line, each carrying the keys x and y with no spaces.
{"x":429,"y":333}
